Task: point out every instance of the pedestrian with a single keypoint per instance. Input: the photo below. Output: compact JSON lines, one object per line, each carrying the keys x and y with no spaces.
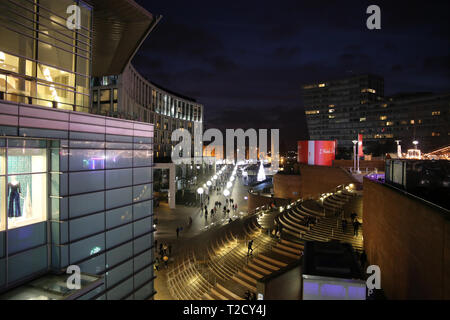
{"x":212,"y":213}
{"x":230,"y":220}
{"x":250,"y":249}
{"x":206,"y":215}
{"x":206,"y":208}
{"x":344,"y":225}
{"x":178,"y":232}
{"x":353,"y":216}
{"x":165,"y":248}
{"x":160,"y":247}
{"x":157,"y":264}
{"x":355,"y":227}
{"x":156,"y":244}
{"x":166,"y":260}
{"x":247,"y":295}
{"x":215,"y":209}
{"x":228,"y":212}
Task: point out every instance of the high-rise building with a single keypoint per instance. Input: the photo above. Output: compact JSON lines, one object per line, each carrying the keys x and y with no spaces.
{"x":75,"y":188}
{"x":342,"y":109}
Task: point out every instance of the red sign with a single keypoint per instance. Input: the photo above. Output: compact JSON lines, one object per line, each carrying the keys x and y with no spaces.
{"x":360,"y":146}
{"x":319,"y":153}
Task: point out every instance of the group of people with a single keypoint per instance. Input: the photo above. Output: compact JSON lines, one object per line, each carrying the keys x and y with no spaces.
{"x":165,"y":251}
{"x":250,"y":295}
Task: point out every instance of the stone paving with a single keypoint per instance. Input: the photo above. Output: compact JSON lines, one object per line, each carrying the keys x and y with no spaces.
{"x":198,"y":234}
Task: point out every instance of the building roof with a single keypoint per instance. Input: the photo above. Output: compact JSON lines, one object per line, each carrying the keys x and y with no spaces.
{"x":119,"y":28}
{"x":330,"y":259}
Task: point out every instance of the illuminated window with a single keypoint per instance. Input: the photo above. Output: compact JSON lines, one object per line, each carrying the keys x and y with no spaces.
{"x":331,"y":106}
{"x":412,"y":122}
{"x":383,"y":117}
{"x":362,"y":119}
{"x":312,"y":112}
{"x":321,"y":85}
{"x":435,"y":113}
{"x":435,"y":134}
{"x":331,"y":110}
{"x":389,"y":123}
{"x":331,"y":117}
{"x":368,"y":90}
{"x":384,"y":105}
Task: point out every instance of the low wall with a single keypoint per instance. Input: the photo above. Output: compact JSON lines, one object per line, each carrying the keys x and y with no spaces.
{"x":287,"y":186}
{"x":363,"y":164}
{"x":409,"y":240}
{"x":313,"y":180}
{"x":255,"y":200}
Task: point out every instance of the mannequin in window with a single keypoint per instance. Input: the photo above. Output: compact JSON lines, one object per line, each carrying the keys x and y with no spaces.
{"x":14,"y":198}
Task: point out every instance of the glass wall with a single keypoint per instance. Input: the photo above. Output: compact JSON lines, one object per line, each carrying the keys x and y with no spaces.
{"x":41,"y":60}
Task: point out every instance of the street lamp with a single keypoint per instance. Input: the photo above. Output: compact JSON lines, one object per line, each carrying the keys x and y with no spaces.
{"x":415,"y":143}
{"x":209,"y":183}
{"x":229,"y":184}
{"x":355,"y":142}
{"x":226,"y":192}
{"x":200,"y":192}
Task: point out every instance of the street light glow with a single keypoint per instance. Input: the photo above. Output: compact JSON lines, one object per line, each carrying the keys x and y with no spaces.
{"x":200,"y":190}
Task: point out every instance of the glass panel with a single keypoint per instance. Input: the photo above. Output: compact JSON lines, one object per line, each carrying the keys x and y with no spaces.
{"x":55,"y":75}
{"x":86,"y":159}
{"x":86,"y":203}
{"x":119,"y":273}
{"x":142,"y":158}
{"x":118,"y":216}
{"x":119,"y":159}
{"x":26,"y":263}
{"x":121,"y":290}
{"x":143,"y":243}
{"x":142,"y":226}
{"x":142,"y":192}
{"x":142,"y":175}
{"x":94,"y":265}
{"x":118,"y":197}
{"x":86,"y":226}
{"x":117,"y":255}
{"x":143,"y":277}
{"x":2,"y":207}
{"x":144,"y":292}
{"x":26,"y":160}
{"x":142,"y":209}
{"x":82,"y":182}
{"x":119,"y":235}
{"x":118,"y":178}
{"x":27,"y":199}
{"x":142,"y":260}
{"x":87,"y":247}
{"x":26,"y":237}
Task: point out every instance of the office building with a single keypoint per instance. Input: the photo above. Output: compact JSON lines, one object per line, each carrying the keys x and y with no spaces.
{"x":341,"y":109}
{"x":75,"y":188}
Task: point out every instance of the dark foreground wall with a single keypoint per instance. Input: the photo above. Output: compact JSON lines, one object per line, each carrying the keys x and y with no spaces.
{"x":410,"y":241}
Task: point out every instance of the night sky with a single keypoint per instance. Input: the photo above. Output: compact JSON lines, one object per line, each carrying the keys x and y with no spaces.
{"x":246,"y":60}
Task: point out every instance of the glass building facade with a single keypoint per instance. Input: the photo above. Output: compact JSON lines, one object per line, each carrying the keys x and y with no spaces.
{"x":43,"y":62}
{"x":76,"y":189}
{"x":131,"y":96}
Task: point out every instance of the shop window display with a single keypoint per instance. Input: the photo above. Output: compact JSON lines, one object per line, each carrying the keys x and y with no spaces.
{"x":24,"y":192}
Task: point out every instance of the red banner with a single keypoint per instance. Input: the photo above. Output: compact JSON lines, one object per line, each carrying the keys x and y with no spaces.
{"x":360,"y":145}
{"x":319,"y":153}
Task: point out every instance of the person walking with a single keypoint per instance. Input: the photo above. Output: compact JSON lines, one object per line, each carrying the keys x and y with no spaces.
{"x":355,"y":227}
{"x":250,"y":248}
{"x":178,"y":232}
{"x":344,"y":225}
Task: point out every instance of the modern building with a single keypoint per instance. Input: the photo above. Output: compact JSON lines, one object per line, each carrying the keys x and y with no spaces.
{"x":75,"y":188}
{"x":129,"y":95}
{"x":341,"y":109}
